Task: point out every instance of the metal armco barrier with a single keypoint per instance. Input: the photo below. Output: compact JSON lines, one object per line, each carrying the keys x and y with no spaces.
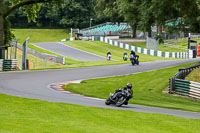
{"x":178,"y":85}
{"x":8,"y":65}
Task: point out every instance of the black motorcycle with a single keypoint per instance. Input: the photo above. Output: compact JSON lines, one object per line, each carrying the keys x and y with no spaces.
{"x":119,"y":98}
{"x":135,"y":60}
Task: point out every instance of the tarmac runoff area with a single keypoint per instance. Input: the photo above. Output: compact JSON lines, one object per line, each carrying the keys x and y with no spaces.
{"x":69,"y":52}
{"x":40,"y":85}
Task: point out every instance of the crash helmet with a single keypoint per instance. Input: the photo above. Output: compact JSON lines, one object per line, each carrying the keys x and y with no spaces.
{"x":129,"y":85}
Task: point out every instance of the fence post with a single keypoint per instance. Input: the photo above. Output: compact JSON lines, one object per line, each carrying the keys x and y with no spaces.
{"x":171,"y":85}
{"x":24,"y":54}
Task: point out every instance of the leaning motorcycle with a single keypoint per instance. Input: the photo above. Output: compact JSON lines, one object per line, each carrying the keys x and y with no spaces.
{"x":121,"y":98}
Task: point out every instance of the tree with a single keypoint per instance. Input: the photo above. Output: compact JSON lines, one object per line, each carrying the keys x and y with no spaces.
{"x":30,"y":7}
{"x":190,"y":12}
{"x":108,"y":10}
{"x":76,"y":13}
{"x":131,"y":13}
{"x":147,"y":18}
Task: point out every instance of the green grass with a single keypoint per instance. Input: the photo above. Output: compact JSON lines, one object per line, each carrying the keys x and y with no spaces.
{"x":33,"y":116}
{"x":101,"y":49}
{"x":194,"y":75}
{"x":183,"y":41}
{"x":161,"y":47}
{"x":147,"y":88}
{"x":41,"y":35}
{"x":37,"y":63}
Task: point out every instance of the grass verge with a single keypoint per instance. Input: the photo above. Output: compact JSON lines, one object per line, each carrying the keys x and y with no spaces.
{"x":26,"y":115}
{"x":41,"y":35}
{"x":101,"y":48}
{"x":194,"y":75}
{"x":148,"y":87}
{"x":35,"y":62}
{"x":161,"y":47}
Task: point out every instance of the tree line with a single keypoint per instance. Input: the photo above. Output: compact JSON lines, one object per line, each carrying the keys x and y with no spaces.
{"x":143,"y":14}
{"x":65,"y":14}
{"x":140,"y":14}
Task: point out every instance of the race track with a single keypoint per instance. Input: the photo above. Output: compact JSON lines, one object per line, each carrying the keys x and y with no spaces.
{"x":36,"y":85}
{"x":70,"y":52}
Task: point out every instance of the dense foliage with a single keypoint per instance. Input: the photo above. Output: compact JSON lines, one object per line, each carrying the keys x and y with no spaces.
{"x":68,"y":13}
{"x":146,"y":13}
{"x":7,"y":7}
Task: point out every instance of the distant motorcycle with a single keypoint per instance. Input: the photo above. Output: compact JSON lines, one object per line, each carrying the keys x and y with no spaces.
{"x":125,"y":57}
{"x":134,"y":60}
{"x":121,"y":98}
{"x":109,"y":57}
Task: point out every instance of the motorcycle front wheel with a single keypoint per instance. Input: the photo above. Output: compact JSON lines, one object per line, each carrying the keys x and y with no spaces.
{"x":120,"y":101}
{"x":108,"y":101}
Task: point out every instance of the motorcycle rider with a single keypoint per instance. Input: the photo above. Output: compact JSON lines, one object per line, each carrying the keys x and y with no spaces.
{"x":132,"y":55}
{"x":109,"y":55}
{"x":118,"y":91}
{"x":125,"y":56}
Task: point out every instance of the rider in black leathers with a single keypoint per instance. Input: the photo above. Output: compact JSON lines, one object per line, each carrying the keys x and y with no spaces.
{"x":109,"y":53}
{"x":132,"y":55}
{"x":134,"y":58}
{"x":129,"y":87}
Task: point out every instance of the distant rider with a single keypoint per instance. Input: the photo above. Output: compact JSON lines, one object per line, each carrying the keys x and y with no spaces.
{"x":109,"y":55}
{"x":125,"y":56}
{"x":132,"y":54}
{"x":127,"y":87}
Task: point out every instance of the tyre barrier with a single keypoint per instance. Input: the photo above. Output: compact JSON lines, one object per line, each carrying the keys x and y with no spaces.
{"x":187,"y":88}
{"x":8,"y":64}
{"x":177,"y":84}
{"x":1,"y":64}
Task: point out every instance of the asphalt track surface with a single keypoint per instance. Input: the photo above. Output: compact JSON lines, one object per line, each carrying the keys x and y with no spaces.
{"x":70,"y":52}
{"x":36,"y":85}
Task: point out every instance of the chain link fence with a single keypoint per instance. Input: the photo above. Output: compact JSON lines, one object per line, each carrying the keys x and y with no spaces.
{"x":47,"y":57}
{"x":152,"y":43}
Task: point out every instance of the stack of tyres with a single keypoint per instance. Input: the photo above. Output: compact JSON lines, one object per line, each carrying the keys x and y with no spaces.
{"x":1,"y":64}
{"x":7,"y":65}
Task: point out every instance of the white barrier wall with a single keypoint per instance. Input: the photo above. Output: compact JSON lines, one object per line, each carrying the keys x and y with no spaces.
{"x":148,"y":51}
